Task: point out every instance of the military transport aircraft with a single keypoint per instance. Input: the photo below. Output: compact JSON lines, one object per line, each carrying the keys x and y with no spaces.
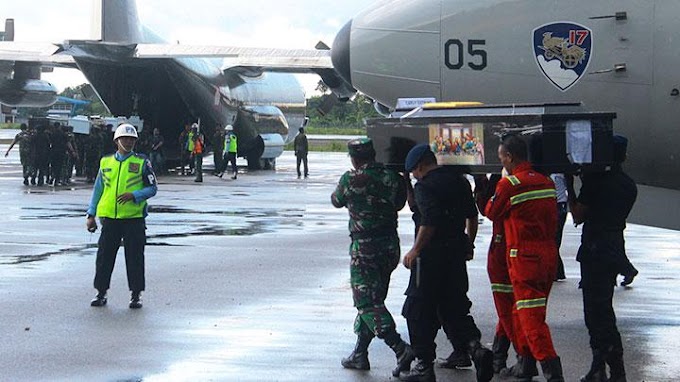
{"x":611,"y":55}
{"x":135,"y":73}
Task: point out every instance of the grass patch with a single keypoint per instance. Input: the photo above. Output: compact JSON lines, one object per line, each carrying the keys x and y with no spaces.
{"x":327,"y":146}
{"x":334,"y":130}
{"x":10,"y":126}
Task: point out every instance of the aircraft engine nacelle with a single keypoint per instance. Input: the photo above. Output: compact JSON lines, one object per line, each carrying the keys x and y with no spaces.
{"x":27,"y":93}
{"x":264,"y":129}
{"x":374,"y":51}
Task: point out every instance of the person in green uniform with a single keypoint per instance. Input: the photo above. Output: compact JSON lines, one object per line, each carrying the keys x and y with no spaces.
{"x":373,"y":195}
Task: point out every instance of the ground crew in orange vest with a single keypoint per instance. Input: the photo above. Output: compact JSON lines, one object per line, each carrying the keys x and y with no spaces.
{"x":525,"y":201}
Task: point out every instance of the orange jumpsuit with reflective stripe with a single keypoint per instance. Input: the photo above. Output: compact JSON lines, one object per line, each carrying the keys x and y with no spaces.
{"x":526,"y":204}
{"x":497,"y":268}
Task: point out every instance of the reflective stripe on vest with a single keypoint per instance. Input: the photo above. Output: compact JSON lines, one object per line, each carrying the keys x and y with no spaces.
{"x":533,"y":195}
{"x":119,"y":178}
{"x":533,"y":303}
{"x":513,"y":253}
{"x":501,"y":288}
{"x":513,"y":180}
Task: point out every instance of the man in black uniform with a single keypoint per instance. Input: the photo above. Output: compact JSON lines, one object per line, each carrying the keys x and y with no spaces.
{"x":603,"y":205}
{"x":438,"y":285}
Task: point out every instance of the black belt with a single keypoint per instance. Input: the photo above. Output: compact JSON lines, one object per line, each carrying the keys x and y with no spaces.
{"x":374,"y":233}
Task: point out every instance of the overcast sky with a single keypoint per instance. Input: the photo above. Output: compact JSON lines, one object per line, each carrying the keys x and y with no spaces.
{"x":254,"y":23}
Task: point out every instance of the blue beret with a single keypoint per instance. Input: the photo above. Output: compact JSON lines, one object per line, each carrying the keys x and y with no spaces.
{"x":415,"y":155}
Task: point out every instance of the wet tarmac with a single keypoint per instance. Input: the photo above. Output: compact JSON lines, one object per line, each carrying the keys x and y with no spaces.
{"x":248,"y":280}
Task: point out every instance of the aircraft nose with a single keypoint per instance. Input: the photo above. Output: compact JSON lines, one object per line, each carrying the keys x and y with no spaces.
{"x":340,"y":53}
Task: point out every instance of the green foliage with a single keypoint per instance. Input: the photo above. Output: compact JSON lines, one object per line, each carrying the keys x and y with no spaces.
{"x":96,"y":107}
{"x":343,"y":115}
{"x":9,"y":126}
{"x":335,"y":130}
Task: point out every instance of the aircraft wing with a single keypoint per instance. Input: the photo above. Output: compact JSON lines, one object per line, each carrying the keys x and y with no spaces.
{"x":37,"y":53}
{"x":271,"y":59}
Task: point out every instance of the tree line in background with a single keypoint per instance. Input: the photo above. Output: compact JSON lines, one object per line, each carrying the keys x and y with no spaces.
{"x":326,"y":115}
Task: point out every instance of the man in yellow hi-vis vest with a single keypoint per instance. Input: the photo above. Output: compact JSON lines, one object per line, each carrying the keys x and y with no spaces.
{"x":230,"y":151}
{"x":124,"y":182}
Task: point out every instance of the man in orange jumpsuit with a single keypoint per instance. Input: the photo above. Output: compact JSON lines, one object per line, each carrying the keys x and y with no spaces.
{"x":525,"y":201}
{"x":503,"y":296}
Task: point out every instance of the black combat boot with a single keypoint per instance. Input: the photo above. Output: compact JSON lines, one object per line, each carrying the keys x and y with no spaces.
{"x":358,"y":359}
{"x":422,"y":371}
{"x":552,"y":370}
{"x":523,"y":371}
{"x":500,"y":347}
{"x":458,"y":358}
{"x":136,"y":300}
{"x":99,"y":299}
{"x":597,"y":372}
{"x":403,"y":352}
{"x":616,"y":369}
{"x":483,"y":360}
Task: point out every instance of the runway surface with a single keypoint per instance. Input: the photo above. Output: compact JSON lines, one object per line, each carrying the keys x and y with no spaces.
{"x":248,"y":280}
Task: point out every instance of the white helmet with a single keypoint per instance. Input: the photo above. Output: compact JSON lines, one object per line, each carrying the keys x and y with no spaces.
{"x":125,"y":130}
{"x":194,"y":126}
{"x":229,"y":128}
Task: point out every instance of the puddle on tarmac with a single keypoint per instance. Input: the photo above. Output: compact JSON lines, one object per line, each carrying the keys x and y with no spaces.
{"x":167,"y":223}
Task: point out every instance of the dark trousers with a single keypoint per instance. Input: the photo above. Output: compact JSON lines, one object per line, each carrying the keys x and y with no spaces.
{"x":58,"y":162}
{"x":597,"y":283}
{"x":133,"y":233}
{"x":198,"y":160}
{"x":303,"y":159}
{"x":561,"y":220}
{"x":229,"y":158}
{"x":425,"y":313}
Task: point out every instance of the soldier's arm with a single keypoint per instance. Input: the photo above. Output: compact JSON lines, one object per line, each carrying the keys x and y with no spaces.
{"x":12,"y":145}
{"x":338,"y":196}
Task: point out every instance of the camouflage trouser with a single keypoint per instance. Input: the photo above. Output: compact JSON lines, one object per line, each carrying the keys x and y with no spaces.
{"x":372,"y":263}
{"x":27,"y":163}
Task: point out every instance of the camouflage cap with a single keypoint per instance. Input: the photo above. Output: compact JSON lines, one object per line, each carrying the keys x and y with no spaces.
{"x":361,"y":148}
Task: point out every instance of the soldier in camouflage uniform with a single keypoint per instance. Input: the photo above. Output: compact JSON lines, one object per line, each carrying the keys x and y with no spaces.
{"x":94,"y":146}
{"x":26,"y":152}
{"x":373,"y":195}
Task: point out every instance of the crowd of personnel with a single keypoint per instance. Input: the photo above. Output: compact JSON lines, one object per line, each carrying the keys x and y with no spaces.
{"x":52,"y":153}
{"x":523,"y":259}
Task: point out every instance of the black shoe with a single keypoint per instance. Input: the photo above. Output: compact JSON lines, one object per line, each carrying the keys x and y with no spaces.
{"x":198,"y":180}
{"x":33,"y":181}
{"x":25,"y":181}
{"x":421,"y":372}
{"x":457,"y":359}
{"x":135,"y":300}
{"x":483,"y":360}
{"x":524,"y":370}
{"x":500,"y":347}
{"x":99,"y":300}
{"x":405,"y":356}
{"x":552,"y":370}
{"x":628,"y":279}
{"x":357,"y":361}
{"x":233,"y":177}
